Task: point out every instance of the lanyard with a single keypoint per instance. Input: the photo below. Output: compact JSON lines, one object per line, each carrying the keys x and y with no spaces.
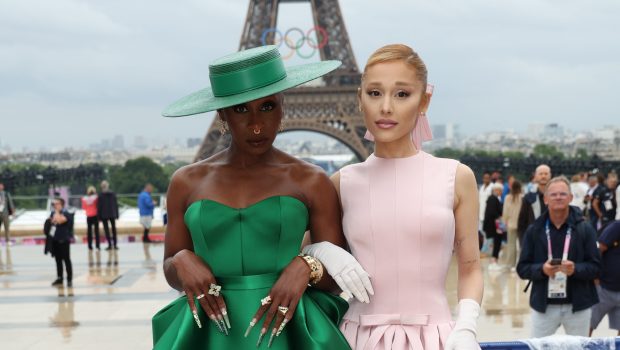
{"x":566,"y":242}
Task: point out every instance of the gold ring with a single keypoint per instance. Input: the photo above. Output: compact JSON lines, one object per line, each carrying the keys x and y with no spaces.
{"x":266,"y":300}
{"x":214,"y":289}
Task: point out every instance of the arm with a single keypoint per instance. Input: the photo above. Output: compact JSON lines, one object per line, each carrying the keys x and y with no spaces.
{"x":596,"y":205}
{"x":325,"y":228}
{"x":347,"y":272}
{"x":177,"y":239}
{"x":59,"y":218}
{"x":149,"y":202}
{"x":528,"y":268}
{"x":590,"y":267}
{"x":184,"y":270}
{"x":10,"y":203}
{"x":470,"y":284}
{"x":115,"y":204}
{"x":522,"y":221}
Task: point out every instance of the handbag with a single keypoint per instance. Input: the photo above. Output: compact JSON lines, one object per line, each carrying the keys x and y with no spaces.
{"x":49,"y":245}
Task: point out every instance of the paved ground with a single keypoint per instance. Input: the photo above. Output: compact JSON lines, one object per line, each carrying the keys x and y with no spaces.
{"x":116,"y":293}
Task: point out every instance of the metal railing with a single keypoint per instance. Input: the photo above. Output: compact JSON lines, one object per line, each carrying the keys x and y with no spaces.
{"x":517,"y":345}
{"x":125,"y":200}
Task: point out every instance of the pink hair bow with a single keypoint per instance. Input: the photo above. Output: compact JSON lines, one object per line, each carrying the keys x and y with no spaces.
{"x":422,"y":130}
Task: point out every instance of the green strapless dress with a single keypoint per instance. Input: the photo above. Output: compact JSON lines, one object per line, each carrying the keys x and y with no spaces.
{"x":247,"y":249}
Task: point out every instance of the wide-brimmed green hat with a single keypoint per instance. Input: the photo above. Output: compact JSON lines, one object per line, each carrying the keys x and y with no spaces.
{"x":245,"y":76}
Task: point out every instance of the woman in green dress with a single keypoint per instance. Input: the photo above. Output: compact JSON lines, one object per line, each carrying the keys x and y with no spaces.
{"x":237,"y":220}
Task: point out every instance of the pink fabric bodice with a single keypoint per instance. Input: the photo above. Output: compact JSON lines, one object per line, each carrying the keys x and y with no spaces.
{"x":399,"y":223}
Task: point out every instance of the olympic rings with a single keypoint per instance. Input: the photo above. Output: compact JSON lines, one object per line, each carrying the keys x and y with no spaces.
{"x":295,"y":45}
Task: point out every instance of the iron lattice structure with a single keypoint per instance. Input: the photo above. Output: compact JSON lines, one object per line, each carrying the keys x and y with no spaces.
{"x":330,"y":108}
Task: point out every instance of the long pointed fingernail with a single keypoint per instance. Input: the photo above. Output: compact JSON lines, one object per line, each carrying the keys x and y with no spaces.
{"x":225,"y":313}
{"x":281,"y":327}
{"x":197,"y":319}
{"x":260,"y":337}
{"x":252,"y":324}
{"x":217,"y":323}
{"x":224,"y":327}
{"x":273,"y":335}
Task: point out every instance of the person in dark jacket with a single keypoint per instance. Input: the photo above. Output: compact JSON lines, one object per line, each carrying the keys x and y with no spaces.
{"x":7,"y":209}
{"x":563,"y":291}
{"x":492,"y":213}
{"x":61,"y":231}
{"x":533,"y":205}
{"x":107,"y":210}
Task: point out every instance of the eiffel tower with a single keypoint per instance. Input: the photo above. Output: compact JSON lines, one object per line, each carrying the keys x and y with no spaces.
{"x":330,"y":109}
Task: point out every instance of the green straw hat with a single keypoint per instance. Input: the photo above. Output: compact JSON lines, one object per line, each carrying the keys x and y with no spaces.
{"x":246,"y":76}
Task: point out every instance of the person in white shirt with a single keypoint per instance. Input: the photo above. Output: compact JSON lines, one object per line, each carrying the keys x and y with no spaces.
{"x":579,"y":193}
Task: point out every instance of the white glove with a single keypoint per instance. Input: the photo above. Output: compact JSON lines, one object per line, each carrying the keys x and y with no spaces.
{"x":463,"y":336}
{"x":343,"y":268}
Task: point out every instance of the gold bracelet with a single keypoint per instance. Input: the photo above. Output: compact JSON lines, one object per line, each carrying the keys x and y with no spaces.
{"x":316,"y":268}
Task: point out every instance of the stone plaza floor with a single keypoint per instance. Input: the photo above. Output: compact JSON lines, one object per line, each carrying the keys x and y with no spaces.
{"x":115,"y":294}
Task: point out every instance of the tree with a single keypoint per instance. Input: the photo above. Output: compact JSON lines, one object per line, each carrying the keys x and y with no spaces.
{"x":448,"y":152}
{"x":545,"y":151}
{"x":132,"y":177}
{"x":581,"y":154}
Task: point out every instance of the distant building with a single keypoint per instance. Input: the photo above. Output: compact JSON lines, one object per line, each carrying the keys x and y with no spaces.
{"x":118,"y":142}
{"x":193,"y":142}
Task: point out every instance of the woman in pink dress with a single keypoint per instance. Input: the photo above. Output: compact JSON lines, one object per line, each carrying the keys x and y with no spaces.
{"x":404,"y":213}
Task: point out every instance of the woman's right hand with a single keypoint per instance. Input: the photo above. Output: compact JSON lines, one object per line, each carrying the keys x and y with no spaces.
{"x":198,"y":282}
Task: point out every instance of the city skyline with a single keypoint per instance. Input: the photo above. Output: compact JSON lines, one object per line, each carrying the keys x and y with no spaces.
{"x":74,"y":71}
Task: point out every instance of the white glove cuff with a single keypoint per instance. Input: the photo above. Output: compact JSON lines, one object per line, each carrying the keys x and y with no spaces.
{"x":468,"y":312}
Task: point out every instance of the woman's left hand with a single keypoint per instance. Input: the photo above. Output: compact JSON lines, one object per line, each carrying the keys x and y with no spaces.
{"x":282,"y":300}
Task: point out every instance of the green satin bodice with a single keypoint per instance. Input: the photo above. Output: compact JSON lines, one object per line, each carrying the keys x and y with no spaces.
{"x":258,"y":239}
{"x":246,"y":249}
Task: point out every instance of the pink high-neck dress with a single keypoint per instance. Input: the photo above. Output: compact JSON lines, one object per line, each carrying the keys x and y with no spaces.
{"x":399,"y":223}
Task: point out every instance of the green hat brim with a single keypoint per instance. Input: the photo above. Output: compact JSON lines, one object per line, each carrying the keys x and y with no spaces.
{"x":204,"y":101}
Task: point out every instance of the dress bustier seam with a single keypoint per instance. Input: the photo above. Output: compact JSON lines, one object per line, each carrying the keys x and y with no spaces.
{"x":203,"y":231}
{"x":240,"y":222}
{"x":278,"y":251}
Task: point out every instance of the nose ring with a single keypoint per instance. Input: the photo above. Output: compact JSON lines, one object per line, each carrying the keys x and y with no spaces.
{"x":256,"y":130}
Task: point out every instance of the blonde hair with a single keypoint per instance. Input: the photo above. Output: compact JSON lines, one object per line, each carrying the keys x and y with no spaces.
{"x":561,"y":179}
{"x":91,"y":190}
{"x":399,"y":52}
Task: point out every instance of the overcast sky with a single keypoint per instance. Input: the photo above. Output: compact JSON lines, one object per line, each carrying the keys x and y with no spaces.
{"x":73,"y":72}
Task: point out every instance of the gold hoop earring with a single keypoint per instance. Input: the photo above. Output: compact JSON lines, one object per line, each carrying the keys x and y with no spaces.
{"x":223,"y":126}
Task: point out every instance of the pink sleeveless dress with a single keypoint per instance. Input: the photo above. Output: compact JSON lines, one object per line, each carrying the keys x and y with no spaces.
{"x":399,"y":223}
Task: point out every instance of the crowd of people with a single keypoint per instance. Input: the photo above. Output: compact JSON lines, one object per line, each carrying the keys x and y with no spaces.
{"x":257,"y":237}
{"x":567,"y":235}
{"x":99,"y":208}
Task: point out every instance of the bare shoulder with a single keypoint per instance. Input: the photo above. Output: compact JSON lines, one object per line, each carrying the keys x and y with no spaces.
{"x":465,"y":186}
{"x":185,"y":179}
{"x":464,"y":174}
{"x":307,"y":173}
{"x":312,"y":180}
{"x":335,"y":178}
